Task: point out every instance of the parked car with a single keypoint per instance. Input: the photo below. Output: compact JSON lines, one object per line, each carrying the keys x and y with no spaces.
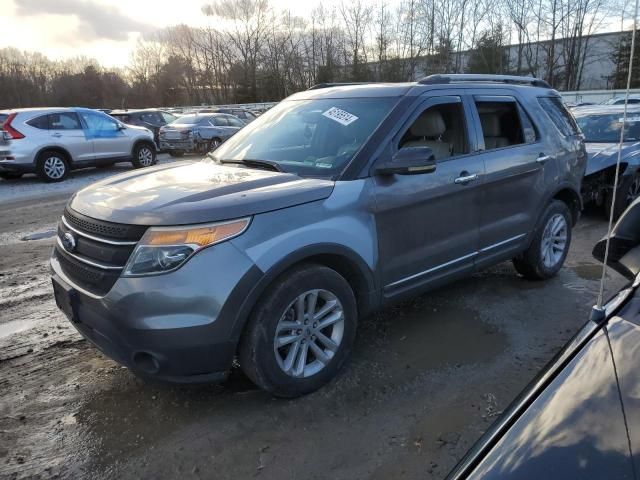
{"x":601,"y":128}
{"x":633,"y":100}
{"x":52,"y":141}
{"x":149,"y":118}
{"x":197,"y":133}
{"x":580,"y":418}
{"x":245,"y":115}
{"x":333,"y":203}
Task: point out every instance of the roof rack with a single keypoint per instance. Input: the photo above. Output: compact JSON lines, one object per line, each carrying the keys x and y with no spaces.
{"x":465,"y":77}
{"x":327,"y":85}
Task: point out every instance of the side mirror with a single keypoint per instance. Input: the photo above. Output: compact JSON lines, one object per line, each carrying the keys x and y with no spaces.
{"x":624,"y":243}
{"x":408,"y":161}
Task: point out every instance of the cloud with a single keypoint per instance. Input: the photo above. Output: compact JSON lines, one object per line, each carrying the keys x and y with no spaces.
{"x":96,"y":20}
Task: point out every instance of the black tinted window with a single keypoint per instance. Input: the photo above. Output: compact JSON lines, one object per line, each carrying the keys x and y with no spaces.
{"x":41,"y":122}
{"x":559,"y":115}
{"x":64,"y":121}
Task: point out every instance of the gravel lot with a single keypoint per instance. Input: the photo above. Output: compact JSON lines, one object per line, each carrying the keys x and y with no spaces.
{"x":427,"y":377}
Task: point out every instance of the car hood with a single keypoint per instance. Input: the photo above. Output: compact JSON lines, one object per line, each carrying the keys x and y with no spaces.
{"x":196,"y":192}
{"x":603,"y":155}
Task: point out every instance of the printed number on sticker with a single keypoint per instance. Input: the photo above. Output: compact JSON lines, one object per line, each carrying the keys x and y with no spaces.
{"x":340,"y":116}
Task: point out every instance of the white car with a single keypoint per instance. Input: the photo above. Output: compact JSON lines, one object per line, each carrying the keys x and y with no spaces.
{"x":52,"y":141}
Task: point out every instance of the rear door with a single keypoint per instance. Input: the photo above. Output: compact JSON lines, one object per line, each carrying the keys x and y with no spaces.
{"x":66,"y":131}
{"x":515,"y":162}
{"x":109,"y":140}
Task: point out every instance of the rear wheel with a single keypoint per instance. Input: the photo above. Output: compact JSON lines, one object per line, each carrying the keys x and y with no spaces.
{"x":550,"y":245}
{"x":144,"y":155}
{"x":52,"y":166}
{"x":301,"y":332}
{"x":628,"y":191}
{"x":10,"y":175}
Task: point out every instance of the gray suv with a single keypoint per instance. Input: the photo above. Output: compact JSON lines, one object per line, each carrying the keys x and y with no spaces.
{"x":334,"y":203}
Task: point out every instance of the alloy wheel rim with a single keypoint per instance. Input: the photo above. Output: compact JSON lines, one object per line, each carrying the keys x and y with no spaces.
{"x":145,"y":157}
{"x":54,"y":167}
{"x":554,"y":240}
{"x":634,"y":190}
{"x":309,"y":333}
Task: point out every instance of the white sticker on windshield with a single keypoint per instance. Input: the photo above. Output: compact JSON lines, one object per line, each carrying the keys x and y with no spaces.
{"x":340,"y":116}
{"x":629,"y":119}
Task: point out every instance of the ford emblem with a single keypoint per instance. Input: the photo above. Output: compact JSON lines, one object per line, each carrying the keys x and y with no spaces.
{"x":69,"y":242}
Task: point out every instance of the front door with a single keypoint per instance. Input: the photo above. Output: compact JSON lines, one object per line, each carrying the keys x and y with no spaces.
{"x":427,"y":224}
{"x":109,"y":140}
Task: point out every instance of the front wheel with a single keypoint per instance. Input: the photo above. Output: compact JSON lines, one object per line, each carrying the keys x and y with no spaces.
{"x":301,"y":332}
{"x":628,"y":191}
{"x":550,"y":245}
{"x":144,"y":155}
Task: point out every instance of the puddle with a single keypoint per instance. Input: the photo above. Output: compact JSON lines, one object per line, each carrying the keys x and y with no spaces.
{"x":38,"y":235}
{"x":430,"y":338}
{"x":16,"y":326}
{"x":588,"y":271}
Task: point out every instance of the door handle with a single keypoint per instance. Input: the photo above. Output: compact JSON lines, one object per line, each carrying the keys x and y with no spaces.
{"x":464,"y":179}
{"x":542,"y":159}
{"x":57,"y":135}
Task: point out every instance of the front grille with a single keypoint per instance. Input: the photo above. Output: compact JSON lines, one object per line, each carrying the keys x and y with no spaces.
{"x":101,"y":251}
{"x":109,"y":230}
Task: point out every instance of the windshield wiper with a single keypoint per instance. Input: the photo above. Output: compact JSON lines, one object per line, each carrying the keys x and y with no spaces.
{"x":250,"y":162}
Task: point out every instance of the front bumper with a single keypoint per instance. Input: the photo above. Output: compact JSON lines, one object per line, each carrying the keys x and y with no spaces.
{"x":177,"y":327}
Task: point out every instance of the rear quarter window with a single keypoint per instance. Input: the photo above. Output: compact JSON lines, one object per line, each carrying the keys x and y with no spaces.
{"x":559,"y":115}
{"x":41,"y":122}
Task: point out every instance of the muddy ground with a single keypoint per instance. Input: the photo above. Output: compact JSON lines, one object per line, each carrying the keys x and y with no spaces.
{"x":427,"y":377}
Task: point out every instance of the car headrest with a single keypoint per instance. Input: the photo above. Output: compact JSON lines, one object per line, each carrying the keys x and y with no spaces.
{"x":490,"y":125}
{"x":429,"y":124}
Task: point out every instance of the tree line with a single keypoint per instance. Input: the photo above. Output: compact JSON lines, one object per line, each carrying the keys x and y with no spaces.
{"x":263,"y":54}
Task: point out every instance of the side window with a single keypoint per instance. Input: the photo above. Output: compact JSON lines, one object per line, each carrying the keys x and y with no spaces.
{"x":167,"y":117}
{"x":234,"y":122}
{"x":41,"y":122}
{"x":440,"y":127}
{"x":99,"y":123}
{"x":559,"y":115}
{"x":501,"y":122}
{"x":219,"y":121}
{"x":529,"y":131}
{"x":64,"y":121}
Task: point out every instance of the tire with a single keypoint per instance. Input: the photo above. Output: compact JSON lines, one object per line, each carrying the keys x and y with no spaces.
{"x":52,"y":166}
{"x":628,"y":191}
{"x":176,"y":153}
{"x":144,"y":155}
{"x":267,"y":365}
{"x":10,"y":175}
{"x":213,"y":144}
{"x":533,"y":263}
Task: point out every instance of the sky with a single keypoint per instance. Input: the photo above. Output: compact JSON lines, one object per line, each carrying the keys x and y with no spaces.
{"x":103,"y":29}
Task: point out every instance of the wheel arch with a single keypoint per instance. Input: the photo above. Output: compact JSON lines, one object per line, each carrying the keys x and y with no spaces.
{"x":337,"y":257}
{"x":572,"y":199}
{"x":143,"y":141}
{"x":54,"y":148}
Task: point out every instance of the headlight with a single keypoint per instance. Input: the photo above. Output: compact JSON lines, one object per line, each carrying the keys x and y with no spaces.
{"x":164,"y":249}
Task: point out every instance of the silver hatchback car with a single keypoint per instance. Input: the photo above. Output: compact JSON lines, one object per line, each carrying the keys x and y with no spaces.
{"x":52,"y":141}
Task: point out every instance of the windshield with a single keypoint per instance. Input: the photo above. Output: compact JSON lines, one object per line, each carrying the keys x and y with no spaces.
{"x":308,"y":137}
{"x":606,"y":128}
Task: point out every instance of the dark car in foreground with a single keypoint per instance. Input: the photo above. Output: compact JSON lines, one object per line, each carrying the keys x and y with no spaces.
{"x":198,"y":133}
{"x":601,"y":127}
{"x":580,"y":418}
{"x":337,"y":201}
{"x":150,"y":118}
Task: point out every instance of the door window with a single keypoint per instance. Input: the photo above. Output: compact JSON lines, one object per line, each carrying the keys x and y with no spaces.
{"x":440,"y":127}
{"x":234,"y":122}
{"x":502,"y":123}
{"x":99,"y":123}
{"x":219,"y":121}
{"x":64,"y":121}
